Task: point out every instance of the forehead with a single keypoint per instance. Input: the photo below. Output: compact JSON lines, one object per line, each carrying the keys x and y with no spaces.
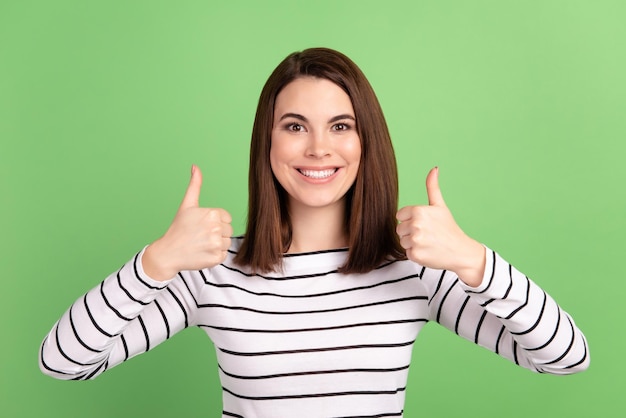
{"x":314,"y":95}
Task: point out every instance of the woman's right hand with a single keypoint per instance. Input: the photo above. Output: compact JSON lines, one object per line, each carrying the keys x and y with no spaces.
{"x":197,"y":238}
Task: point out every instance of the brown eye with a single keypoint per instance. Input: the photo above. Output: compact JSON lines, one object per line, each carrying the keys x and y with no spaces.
{"x":295,"y":127}
{"x":341,"y":127}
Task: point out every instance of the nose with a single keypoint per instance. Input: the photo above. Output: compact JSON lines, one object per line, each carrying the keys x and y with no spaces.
{"x":318,"y":145}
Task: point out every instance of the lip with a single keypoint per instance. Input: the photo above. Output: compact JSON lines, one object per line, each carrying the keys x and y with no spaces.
{"x":320,"y":176}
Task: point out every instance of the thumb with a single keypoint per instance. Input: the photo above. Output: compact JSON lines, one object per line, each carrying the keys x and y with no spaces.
{"x":192,"y":195}
{"x":435,"y":198}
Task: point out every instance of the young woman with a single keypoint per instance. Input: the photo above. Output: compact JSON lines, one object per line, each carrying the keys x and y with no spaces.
{"x":314,"y":311}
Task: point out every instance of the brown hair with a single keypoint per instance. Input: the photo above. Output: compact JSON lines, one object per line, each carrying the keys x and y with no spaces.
{"x":371,"y":201}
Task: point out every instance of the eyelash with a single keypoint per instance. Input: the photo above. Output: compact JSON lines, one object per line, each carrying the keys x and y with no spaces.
{"x":344,"y":126}
{"x":292,"y":125}
{"x":297,"y":127}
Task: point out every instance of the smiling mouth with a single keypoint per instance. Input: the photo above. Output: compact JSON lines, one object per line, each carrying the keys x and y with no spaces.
{"x":318,"y":174}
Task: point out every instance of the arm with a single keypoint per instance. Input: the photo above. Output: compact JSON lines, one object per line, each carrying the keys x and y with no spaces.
{"x":509,"y":315}
{"x":483,"y":298}
{"x":133,"y":310}
{"x":126,"y":314}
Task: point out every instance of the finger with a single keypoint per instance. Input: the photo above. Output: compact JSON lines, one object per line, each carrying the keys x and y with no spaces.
{"x":435,"y":198}
{"x":225,"y":216}
{"x":406,"y":242}
{"x":404,"y":214}
{"x":219,"y":215}
{"x":403,"y":228}
{"x":227,"y":231}
{"x":192,"y":195}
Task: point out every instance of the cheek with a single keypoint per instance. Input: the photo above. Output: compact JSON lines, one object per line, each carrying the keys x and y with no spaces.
{"x":352,"y":150}
{"x":274,"y":165}
{"x":279,"y":156}
{"x":353,"y":153}
{"x":282,"y":151}
{"x":274,"y":151}
{"x":273,"y":158}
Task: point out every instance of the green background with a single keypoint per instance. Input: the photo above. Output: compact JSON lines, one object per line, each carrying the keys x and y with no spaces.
{"x":104,"y":106}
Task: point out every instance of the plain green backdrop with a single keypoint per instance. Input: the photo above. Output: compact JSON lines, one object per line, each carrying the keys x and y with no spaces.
{"x":104,"y":106}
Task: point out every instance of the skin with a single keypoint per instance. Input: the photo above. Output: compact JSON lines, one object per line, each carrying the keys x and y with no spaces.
{"x":197,"y":238}
{"x":432,"y":238}
{"x":315,"y":155}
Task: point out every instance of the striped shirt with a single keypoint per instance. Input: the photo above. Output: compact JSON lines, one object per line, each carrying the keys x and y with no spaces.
{"x":309,"y":341}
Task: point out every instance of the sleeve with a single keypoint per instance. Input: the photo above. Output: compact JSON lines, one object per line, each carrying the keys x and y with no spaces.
{"x":127,"y":314}
{"x":509,"y":315}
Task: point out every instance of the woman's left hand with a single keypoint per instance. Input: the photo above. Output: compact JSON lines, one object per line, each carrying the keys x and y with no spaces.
{"x":431,"y":237}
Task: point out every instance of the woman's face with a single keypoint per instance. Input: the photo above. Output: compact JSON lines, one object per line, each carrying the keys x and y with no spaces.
{"x":315,"y":149}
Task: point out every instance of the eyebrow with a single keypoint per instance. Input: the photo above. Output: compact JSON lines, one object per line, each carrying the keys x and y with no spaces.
{"x":304,"y":119}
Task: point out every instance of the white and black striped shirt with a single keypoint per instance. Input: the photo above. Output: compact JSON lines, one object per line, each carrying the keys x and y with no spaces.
{"x":311,"y":342}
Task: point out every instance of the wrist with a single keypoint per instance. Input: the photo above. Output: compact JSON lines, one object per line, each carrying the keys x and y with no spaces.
{"x":471,"y":268}
{"x":155,"y":265}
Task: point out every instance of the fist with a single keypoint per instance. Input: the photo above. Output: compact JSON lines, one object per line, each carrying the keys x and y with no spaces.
{"x":432,"y":238}
{"x":197,"y":238}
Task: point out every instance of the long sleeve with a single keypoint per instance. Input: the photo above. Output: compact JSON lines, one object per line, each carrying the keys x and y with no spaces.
{"x":126,"y":314}
{"x":510,"y":315}
{"x":310,"y":341}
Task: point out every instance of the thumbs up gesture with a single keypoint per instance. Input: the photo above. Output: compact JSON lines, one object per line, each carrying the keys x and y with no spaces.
{"x":197,"y":238}
{"x":431,"y":237}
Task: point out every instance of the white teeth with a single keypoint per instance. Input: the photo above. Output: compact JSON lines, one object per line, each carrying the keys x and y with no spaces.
{"x":318,"y":174}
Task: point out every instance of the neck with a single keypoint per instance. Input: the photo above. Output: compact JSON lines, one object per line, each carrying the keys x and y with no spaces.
{"x":316,"y":229}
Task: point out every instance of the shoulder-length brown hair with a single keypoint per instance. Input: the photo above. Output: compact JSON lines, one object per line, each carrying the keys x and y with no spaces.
{"x":373,"y":198}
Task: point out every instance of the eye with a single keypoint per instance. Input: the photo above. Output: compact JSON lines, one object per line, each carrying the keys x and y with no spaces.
{"x":341,"y":127}
{"x":294,"y":127}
